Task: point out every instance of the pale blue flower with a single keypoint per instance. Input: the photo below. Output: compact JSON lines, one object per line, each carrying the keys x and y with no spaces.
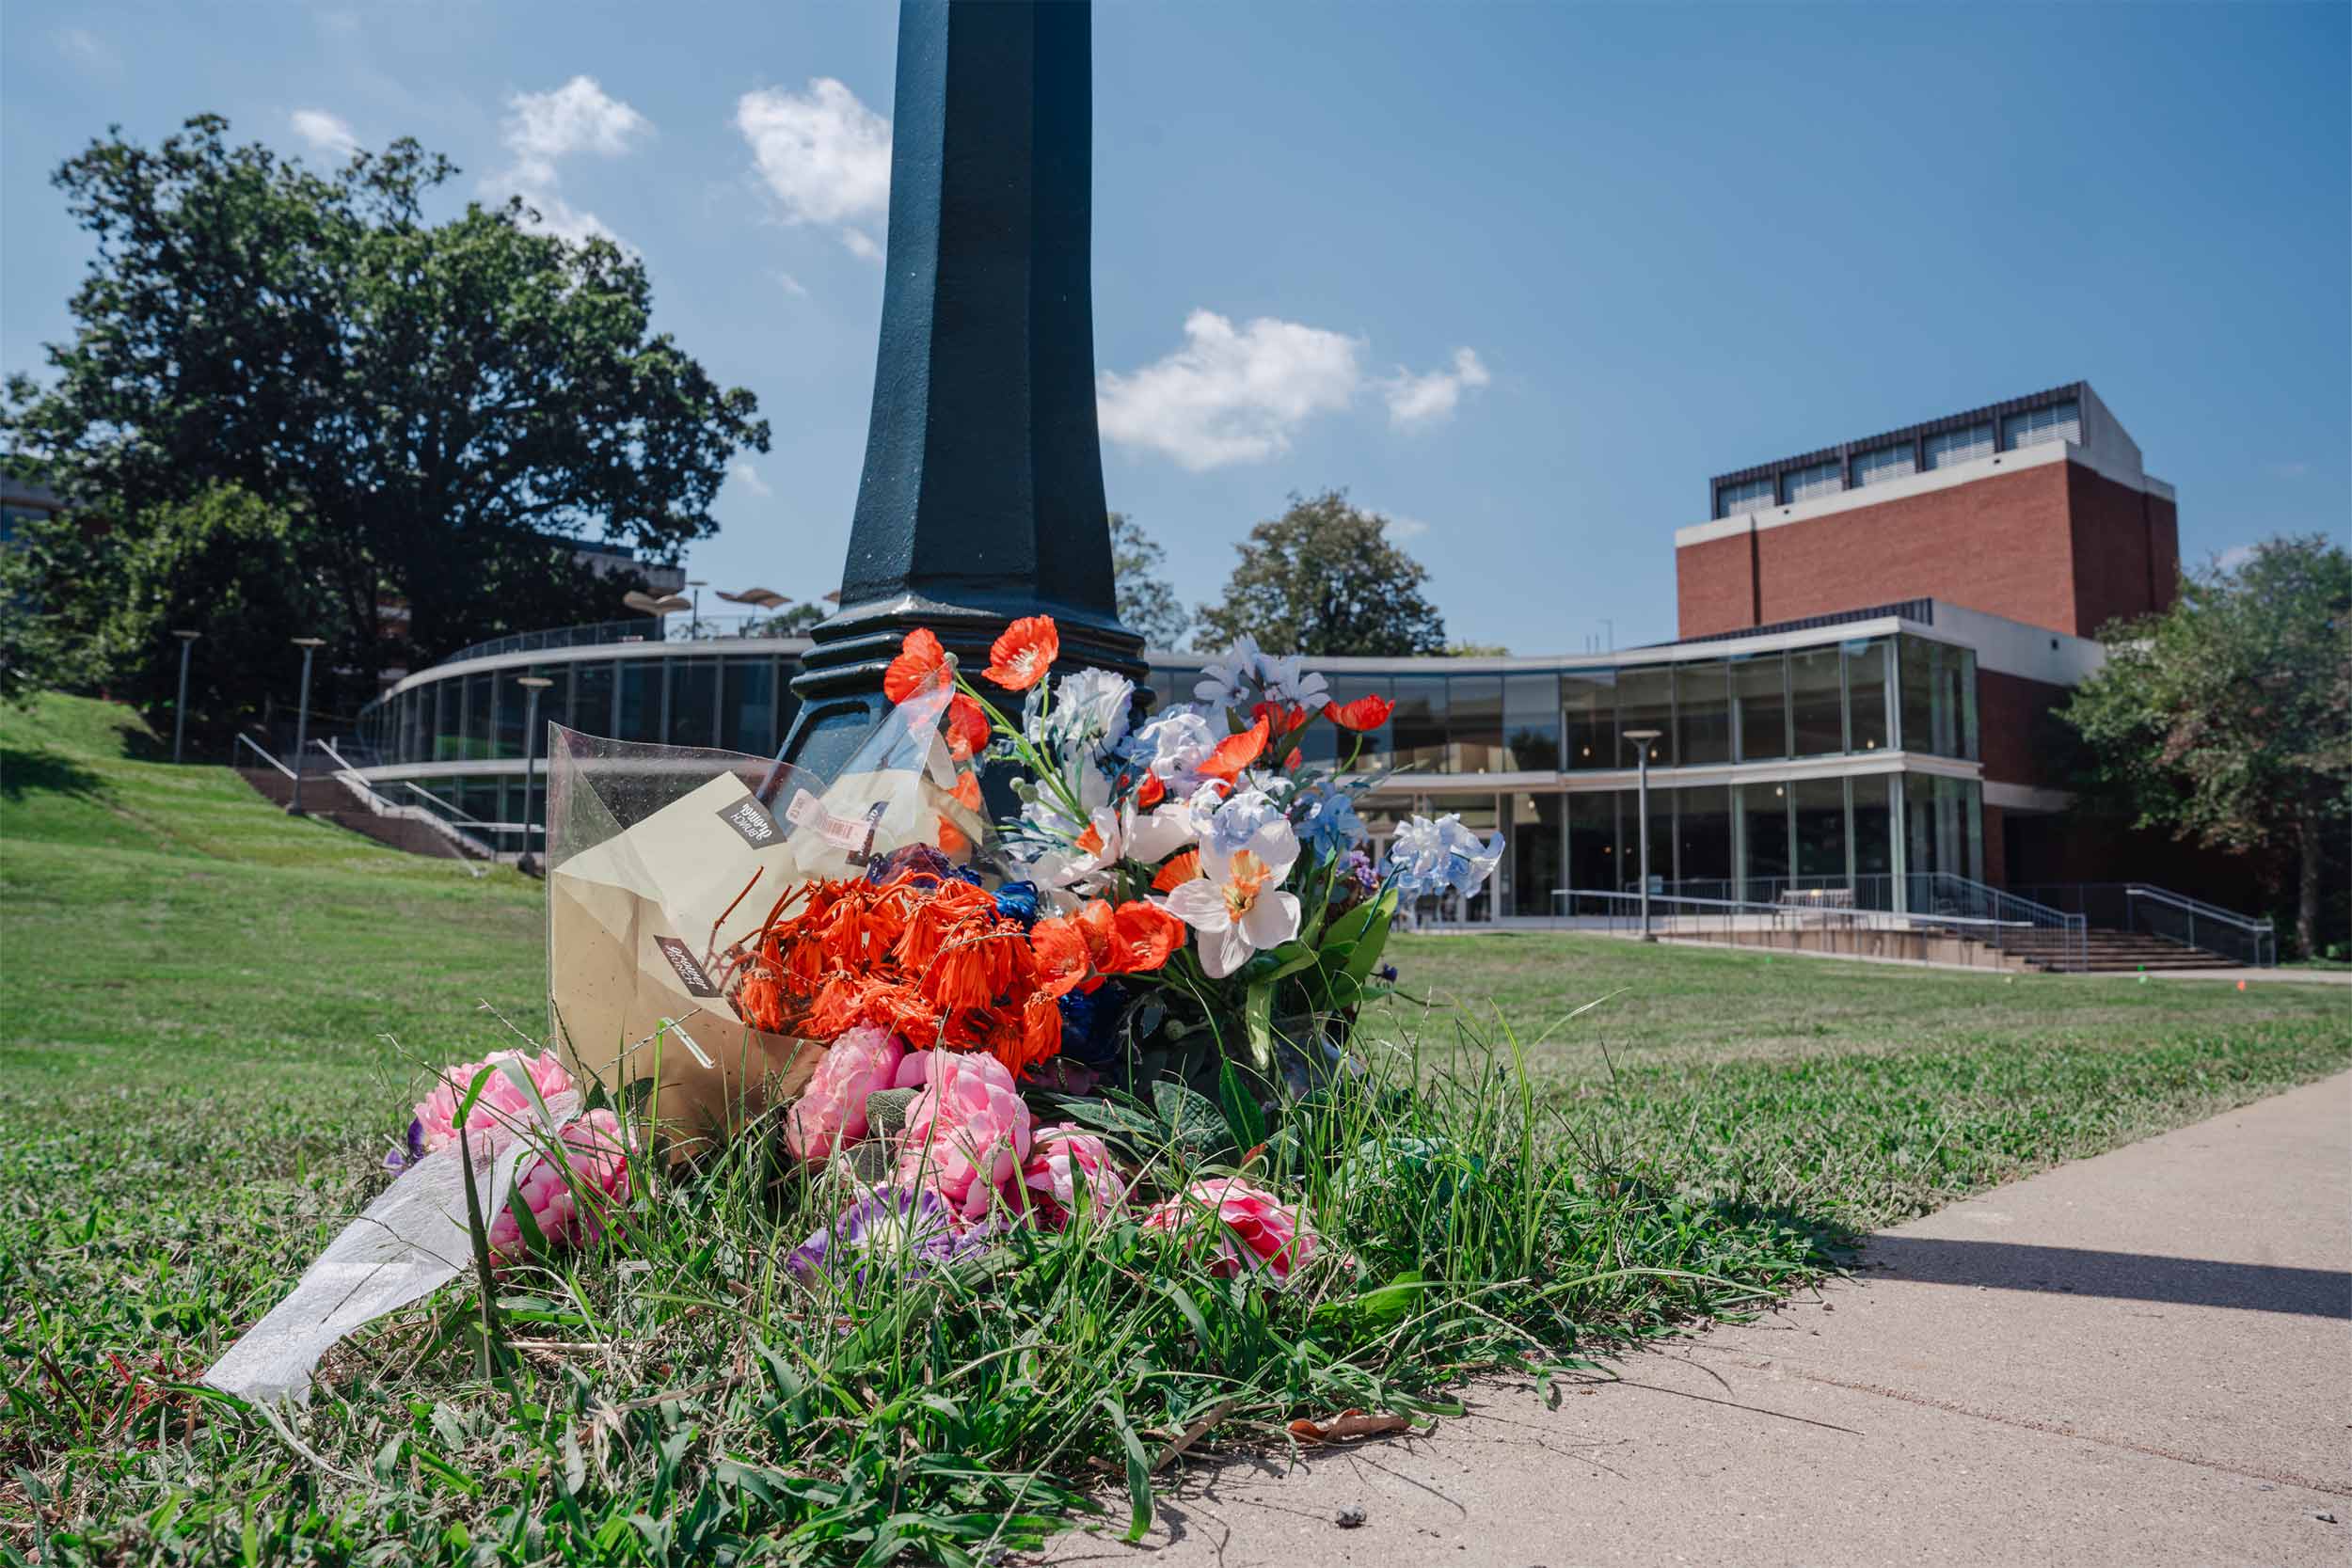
{"x":1229,"y":825}
{"x":1428,"y":857}
{"x":1327,"y":819}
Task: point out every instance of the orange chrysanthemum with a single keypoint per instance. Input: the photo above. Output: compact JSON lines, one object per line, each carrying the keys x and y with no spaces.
{"x":1364,"y":713}
{"x":1180,"y":869}
{"x":760,"y":1000}
{"x":920,"y":659}
{"x":1236,"y":752}
{"x":1020,"y":658}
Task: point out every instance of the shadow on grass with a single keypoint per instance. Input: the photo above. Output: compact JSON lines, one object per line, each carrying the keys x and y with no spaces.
{"x":25,"y":771}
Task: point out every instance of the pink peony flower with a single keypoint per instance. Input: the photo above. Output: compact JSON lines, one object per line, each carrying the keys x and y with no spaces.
{"x":1059,"y":1153}
{"x":914,"y":1070}
{"x":1260,"y":1230}
{"x":967,"y":1133}
{"x":831,"y":1111}
{"x":503,"y":1109}
{"x":568,"y":1210}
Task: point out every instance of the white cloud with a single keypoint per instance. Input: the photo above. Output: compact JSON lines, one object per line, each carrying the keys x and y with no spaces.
{"x":86,"y":49}
{"x":1399,"y":529}
{"x":326,"y":131}
{"x":792,"y":285}
{"x":748,"y":477}
{"x":1231,"y":395}
{"x":824,"y":156}
{"x":543,"y":128}
{"x":2235,"y":556}
{"x":1415,"y":401}
{"x":1238,"y":394}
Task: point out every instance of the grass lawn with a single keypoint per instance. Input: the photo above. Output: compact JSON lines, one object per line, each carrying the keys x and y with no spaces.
{"x":212,"y":1015}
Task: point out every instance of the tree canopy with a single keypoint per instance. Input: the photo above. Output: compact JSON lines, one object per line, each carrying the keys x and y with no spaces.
{"x":2224,"y":719}
{"x":1147,"y":605}
{"x":428,"y":408}
{"x":1323,"y":579}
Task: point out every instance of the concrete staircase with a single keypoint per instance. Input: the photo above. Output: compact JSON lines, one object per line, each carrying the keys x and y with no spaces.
{"x":2113,"y":952}
{"x":325,"y":798}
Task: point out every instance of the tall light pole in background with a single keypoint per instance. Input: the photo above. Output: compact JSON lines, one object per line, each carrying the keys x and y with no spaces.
{"x":180,"y":710}
{"x":1642,"y":740}
{"x":302,"y":720}
{"x":533,"y":684}
{"x":694,"y":626}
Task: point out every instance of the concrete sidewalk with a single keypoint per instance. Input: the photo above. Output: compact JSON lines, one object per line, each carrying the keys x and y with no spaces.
{"x":2141,"y":1358}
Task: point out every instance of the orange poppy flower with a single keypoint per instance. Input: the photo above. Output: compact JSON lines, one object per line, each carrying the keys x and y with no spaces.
{"x":1062,"y":963}
{"x":967,"y":791}
{"x":1236,"y":752}
{"x":1364,"y":713}
{"x":1151,"y":792}
{"x":1180,"y":869}
{"x":951,"y":838}
{"x":1020,"y":658}
{"x":1102,"y":938}
{"x":967,"y":725}
{"x":1281,"y":718}
{"x":1148,"y":936}
{"x":920,"y":659}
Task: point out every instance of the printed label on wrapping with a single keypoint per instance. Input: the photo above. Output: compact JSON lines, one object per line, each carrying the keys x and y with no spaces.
{"x":689,"y":972}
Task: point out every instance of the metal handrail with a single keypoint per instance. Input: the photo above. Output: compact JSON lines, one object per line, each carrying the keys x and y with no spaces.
{"x":1803,"y":911}
{"x":2175,"y":916}
{"x":2197,"y":907}
{"x":246,"y":740}
{"x":458,"y":812}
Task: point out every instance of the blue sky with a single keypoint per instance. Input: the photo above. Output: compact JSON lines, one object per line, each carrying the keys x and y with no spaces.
{"x":1522,"y":276}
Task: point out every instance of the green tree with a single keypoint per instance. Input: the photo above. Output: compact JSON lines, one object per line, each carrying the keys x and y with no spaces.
{"x":431,"y":406}
{"x":2224,"y":719}
{"x":1323,"y":579}
{"x":1147,"y":605}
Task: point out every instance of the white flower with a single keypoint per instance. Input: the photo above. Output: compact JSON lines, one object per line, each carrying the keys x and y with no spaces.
{"x":1110,"y":836}
{"x":1230,"y":824}
{"x":1090,"y":713}
{"x":1225,"y":679}
{"x":1284,"y":683}
{"x":1173,"y":745}
{"x":1426,"y":857}
{"x":1236,"y":905}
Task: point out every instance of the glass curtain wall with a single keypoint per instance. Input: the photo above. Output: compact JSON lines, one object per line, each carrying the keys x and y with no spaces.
{"x":1530,"y":722}
{"x":1702,"y":714}
{"x":747,"y":710}
{"x":1535,"y":831}
{"x":591,"y":699}
{"x":1763,"y":840}
{"x":1588,"y":703}
{"x":1873,"y":825}
{"x":1866,"y":694}
{"x":1419,"y":723}
{"x":1816,"y":705}
{"x":1702,"y":840}
{"x":1474,"y":724}
{"x":1593,"y":857}
{"x":694,"y":702}
{"x":1818,"y":817}
{"x":1645,"y":702}
{"x":1759,"y":694}
{"x":1939,"y":698}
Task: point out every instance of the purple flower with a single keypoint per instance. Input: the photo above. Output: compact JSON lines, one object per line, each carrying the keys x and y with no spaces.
{"x":409,"y":1152}
{"x":910,"y":1228}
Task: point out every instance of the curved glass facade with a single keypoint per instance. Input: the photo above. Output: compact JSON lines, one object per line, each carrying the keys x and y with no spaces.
{"x":1808,"y":759}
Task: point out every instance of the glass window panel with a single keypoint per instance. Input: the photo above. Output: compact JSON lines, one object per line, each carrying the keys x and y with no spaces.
{"x":1347,"y":689}
{"x":1759,"y":685}
{"x":1537,"y":825}
{"x":693,"y":719}
{"x":1588,"y":702}
{"x":555,"y":703}
{"x":1733,"y":500}
{"x":449,"y":730}
{"x":1821,"y":479}
{"x":1703,"y":840}
{"x":1662,"y":838}
{"x":1764,"y":840}
{"x":1816,"y":702}
{"x":1877,"y":467}
{"x":748,"y":707}
{"x":1645,"y":702}
{"x":1960,"y":446}
{"x":1873,"y":829}
{"x":1943,"y":831}
{"x":1530,"y":722}
{"x":1702,"y":712}
{"x":2061,"y":421}
{"x":1474,"y":724}
{"x":478,"y":699}
{"x":1939,"y":698}
{"x":591,"y":699}
{"x":1593,"y":841}
{"x":1419,"y":724}
{"x":1820,"y":830}
{"x":641,"y":699}
{"x":1865,"y":695}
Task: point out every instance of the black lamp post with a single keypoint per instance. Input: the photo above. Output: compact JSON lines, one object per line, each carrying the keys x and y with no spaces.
{"x":981,"y":499}
{"x":180,"y":708}
{"x":533,"y":684}
{"x":302,"y":720}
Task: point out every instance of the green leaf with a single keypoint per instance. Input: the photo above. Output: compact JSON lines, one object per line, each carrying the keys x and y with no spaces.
{"x":1139,"y":1470}
{"x":1187,"y":1115}
{"x":1366,"y":957}
{"x":1242,"y":1116}
{"x":1259,"y":1018}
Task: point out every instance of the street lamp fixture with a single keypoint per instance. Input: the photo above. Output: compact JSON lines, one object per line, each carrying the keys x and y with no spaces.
{"x":309,"y":646}
{"x":1642,"y":740}
{"x":533,"y":684}
{"x":180,"y":710}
